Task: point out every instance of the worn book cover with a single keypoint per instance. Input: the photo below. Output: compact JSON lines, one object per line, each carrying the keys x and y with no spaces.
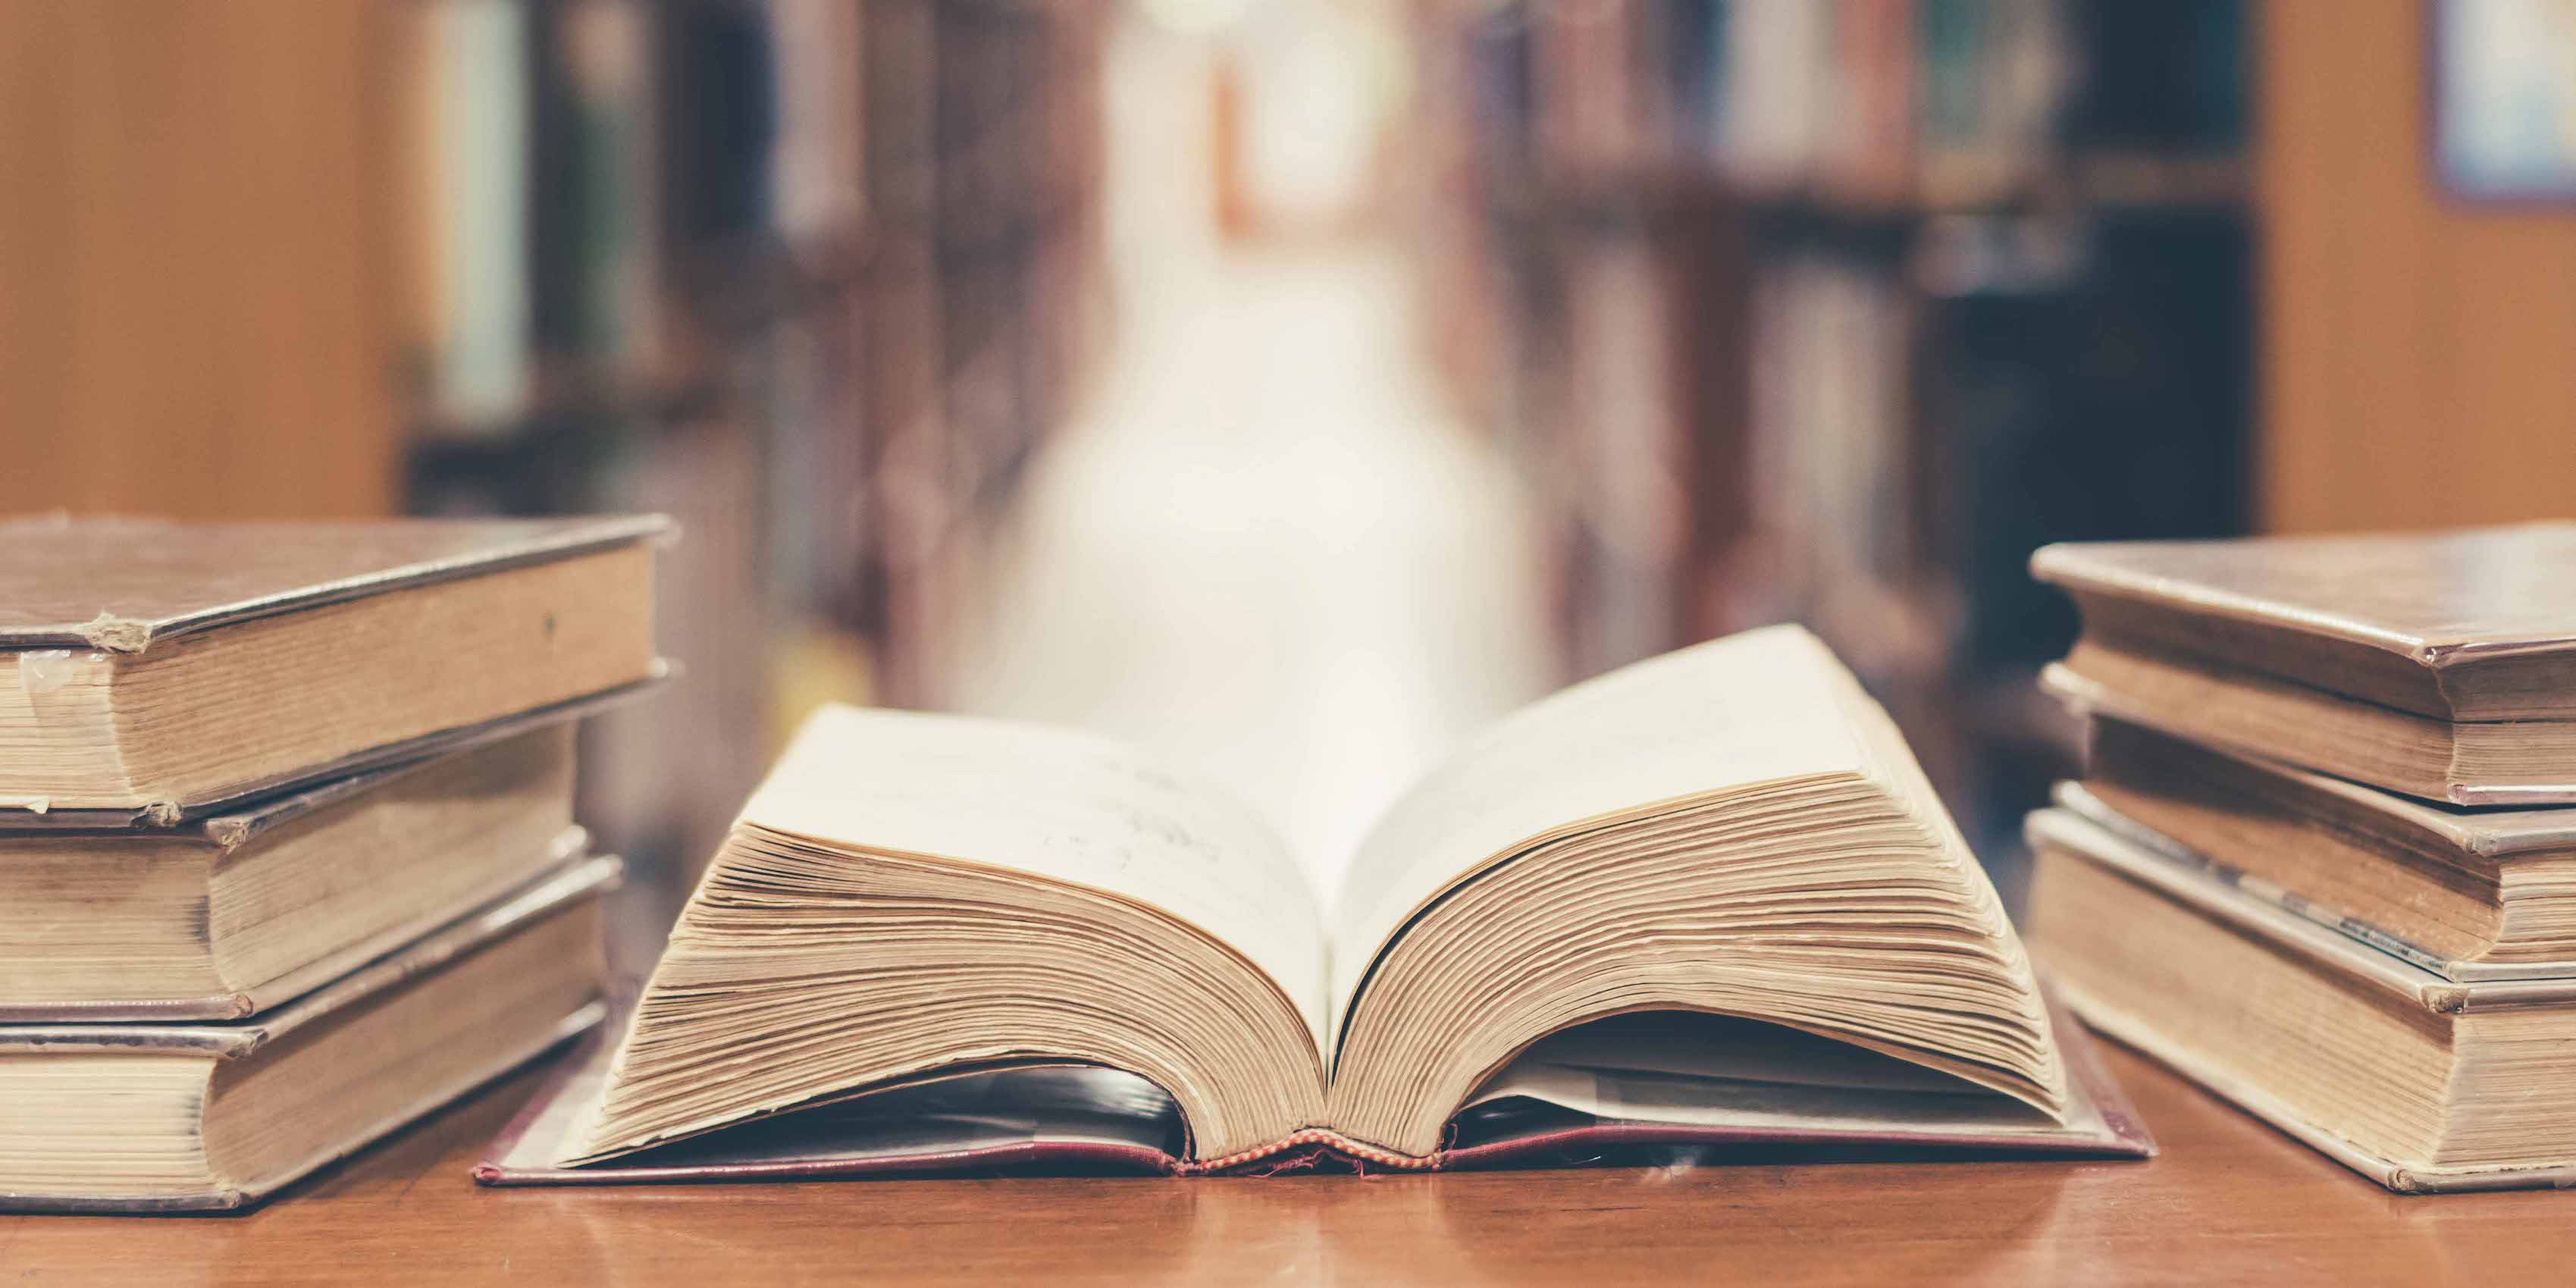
{"x":2470,"y":624}
{"x":2475,"y":893}
{"x":129,"y":585}
{"x":168,"y":670}
{"x":2420,"y":1082}
{"x":2438,"y":665}
{"x":169,"y":1117}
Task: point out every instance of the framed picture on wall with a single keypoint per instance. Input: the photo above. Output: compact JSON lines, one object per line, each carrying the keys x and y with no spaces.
{"x":2504,"y":98}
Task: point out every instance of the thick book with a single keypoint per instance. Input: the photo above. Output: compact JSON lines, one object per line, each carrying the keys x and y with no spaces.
{"x":2467,"y":894}
{"x":2420,"y":1082}
{"x":217,"y":1116}
{"x":919,"y":920}
{"x":166,"y":669}
{"x":2440,"y":665}
{"x":226,"y":916}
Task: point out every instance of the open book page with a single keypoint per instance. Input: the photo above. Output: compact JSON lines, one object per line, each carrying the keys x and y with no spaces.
{"x":1761,"y":706}
{"x":1060,"y":805}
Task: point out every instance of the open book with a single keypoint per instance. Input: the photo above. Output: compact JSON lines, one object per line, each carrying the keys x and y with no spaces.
{"x":1710,"y":897}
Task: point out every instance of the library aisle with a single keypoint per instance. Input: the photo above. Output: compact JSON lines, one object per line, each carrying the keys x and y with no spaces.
{"x":1264,"y":549}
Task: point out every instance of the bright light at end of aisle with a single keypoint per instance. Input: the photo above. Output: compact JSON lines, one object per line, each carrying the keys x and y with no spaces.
{"x":1194,"y":16}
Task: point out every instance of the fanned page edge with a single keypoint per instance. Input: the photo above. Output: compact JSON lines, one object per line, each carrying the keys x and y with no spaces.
{"x":779,"y":806}
{"x":784,"y":805}
{"x":1879,"y":754}
{"x":2121,"y":1134}
{"x":1373,"y":918}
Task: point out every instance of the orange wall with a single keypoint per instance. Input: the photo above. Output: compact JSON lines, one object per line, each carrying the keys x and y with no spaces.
{"x":192,"y":249}
{"x":2419,"y":354}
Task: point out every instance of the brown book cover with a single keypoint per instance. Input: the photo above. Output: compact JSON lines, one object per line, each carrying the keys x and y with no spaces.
{"x":2468,"y":625}
{"x":2466,"y":893}
{"x":125,"y":585}
{"x":232,"y":821}
{"x":2479,"y":763}
{"x":569,"y":888}
{"x":2302,"y":948}
{"x":570,"y":845}
{"x":166,"y":669}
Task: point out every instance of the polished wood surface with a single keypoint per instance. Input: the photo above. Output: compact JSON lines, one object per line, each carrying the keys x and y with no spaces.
{"x":2230,"y":1202}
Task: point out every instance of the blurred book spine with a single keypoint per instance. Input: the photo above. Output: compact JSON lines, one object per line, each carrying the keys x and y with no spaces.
{"x":475,"y":111}
{"x":815,"y":276}
{"x":599,"y":227}
{"x":1789,"y":296}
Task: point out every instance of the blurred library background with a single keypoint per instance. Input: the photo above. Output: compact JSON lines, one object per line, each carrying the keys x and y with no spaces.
{"x":1294,"y":384}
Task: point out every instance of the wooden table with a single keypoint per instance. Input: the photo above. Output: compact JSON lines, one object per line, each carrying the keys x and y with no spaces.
{"x":2231,"y":1202}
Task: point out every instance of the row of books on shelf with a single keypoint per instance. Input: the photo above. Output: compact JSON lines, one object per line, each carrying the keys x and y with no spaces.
{"x":593,"y":187}
{"x":814,"y":275}
{"x":1741,"y":401}
{"x":1939,"y":101}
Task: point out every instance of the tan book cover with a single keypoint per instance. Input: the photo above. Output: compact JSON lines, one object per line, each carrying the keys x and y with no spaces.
{"x":2466,"y":893}
{"x":2473,"y":624}
{"x":2440,"y":665}
{"x":227,"y":916}
{"x":164,"y":668}
{"x":216,"y":1116}
{"x":2419,"y":1082}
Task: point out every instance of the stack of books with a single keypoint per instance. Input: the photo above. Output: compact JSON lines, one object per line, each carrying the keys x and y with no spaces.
{"x":2324,"y":857}
{"x":287,"y":856}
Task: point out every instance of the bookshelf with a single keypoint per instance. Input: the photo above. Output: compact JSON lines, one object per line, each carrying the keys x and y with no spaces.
{"x":815,"y":276}
{"x":1833,"y":311}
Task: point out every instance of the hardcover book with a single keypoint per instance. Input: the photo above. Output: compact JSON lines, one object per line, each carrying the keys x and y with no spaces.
{"x":2417,"y":1081}
{"x":189,"y":1117}
{"x":2440,"y":665}
{"x":1706,"y":898}
{"x":165,"y":669}
{"x":223,"y":917}
{"x":2467,"y":894}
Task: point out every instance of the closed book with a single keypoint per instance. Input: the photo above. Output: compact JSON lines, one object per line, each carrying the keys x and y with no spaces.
{"x":2440,"y":665}
{"x":2420,"y":1082}
{"x":224,"y":917}
{"x":2466,"y":893}
{"x":217,"y":1116}
{"x":168,"y":669}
